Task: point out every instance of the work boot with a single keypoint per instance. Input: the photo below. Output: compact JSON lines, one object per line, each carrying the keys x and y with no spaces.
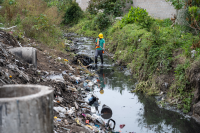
{"x":95,"y":60}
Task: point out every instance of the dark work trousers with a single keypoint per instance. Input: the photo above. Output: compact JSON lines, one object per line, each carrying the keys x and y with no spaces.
{"x":99,"y":52}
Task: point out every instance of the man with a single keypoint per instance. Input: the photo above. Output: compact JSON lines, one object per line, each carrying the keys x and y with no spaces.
{"x":100,"y":46}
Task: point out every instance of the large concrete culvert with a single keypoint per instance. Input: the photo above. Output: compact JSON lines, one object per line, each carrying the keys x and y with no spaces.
{"x":26,"y":109}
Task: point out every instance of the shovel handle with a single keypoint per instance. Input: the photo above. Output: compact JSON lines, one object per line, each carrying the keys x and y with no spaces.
{"x":107,"y":53}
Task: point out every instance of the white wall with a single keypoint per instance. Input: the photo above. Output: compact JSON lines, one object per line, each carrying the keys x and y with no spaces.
{"x":83,"y":4}
{"x":156,"y":8}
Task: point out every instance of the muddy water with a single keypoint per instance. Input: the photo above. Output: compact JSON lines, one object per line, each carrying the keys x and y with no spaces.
{"x":139,"y":113}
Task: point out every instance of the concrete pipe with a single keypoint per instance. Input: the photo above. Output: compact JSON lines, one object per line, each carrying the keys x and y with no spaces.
{"x":28,"y":54}
{"x":26,"y":109}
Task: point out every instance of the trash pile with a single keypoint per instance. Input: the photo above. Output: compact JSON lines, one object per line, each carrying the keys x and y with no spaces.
{"x":85,"y":60}
{"x":73,"y":111}
{"x":6,"y":38}
{"x":13,"y":70}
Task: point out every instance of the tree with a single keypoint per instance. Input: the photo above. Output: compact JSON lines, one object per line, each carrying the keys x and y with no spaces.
{"x":193,"y":7}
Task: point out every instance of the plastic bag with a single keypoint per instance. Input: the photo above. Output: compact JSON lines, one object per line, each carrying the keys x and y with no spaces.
{"x":62,"y":115}
{"x":60,"y":109}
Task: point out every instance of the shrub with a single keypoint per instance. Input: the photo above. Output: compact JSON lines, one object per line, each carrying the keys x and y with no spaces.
{"x":139,"y":16}
{"x":1,"y":1}
{"x":102,"y":21}
{"x":60,"y":4}
{"x":109,"y":7}
{"x":73,"y":13}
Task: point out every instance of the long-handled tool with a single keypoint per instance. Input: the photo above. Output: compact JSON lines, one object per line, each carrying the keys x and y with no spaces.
{"x":108,"y":54}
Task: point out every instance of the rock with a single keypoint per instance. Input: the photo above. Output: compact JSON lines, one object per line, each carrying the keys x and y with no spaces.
{"x":196,"y":96}
{"x":196,"y":108}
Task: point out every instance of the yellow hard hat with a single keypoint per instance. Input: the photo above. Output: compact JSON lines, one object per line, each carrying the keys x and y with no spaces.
{"x":101,"y":91}
{"x":100,"y":35}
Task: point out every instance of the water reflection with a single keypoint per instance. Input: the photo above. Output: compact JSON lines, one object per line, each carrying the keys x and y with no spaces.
{"x":140,"y":114}
{"x":149,"y":118}
{"x":161,"y":120}
{"x":102,"y":79}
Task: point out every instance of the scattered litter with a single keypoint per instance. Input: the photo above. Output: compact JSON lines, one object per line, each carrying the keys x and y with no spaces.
{"x":87,"y":121}
{"x":62,"y":115}
{"x":60,"y":109}
{"x":69,"y":112}
{"x":89,"y":126}
{"x":122,"y":126}
{"x":77,"y":120}
{"x":85,"y":60}
{"x":70,"y":108}
{"x":65,"y":129}
{"x":66,"y":122}
{"x":59,"y":58}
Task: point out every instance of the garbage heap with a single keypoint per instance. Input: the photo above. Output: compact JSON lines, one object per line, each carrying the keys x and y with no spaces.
{"x":72,"y":111}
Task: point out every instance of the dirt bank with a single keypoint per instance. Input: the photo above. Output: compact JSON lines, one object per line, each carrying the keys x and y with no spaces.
{"x":54,"y":68}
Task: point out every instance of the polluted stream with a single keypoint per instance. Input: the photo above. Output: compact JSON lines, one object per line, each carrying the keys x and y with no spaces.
{"x":133,"y":113}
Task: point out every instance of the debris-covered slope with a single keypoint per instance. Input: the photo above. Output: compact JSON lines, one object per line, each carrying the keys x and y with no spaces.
{"x":71,"y":83}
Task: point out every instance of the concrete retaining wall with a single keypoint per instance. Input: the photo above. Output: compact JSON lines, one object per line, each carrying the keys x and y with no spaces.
{"x":156,"y":8}
{"x":83,"y":4}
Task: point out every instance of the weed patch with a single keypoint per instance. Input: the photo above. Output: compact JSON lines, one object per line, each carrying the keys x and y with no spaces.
{"x":34,"y":19}
{"x":151,"y":48}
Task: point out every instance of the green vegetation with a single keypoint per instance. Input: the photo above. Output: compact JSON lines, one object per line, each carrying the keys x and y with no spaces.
{"x":34,"y":19}
{"x":39,"y":19}
{"x":139,"y":16}
{"x":73,"y":13}
{"x":157,"y":51}
{"x":108,"y":7}
{"x":152,"y":49}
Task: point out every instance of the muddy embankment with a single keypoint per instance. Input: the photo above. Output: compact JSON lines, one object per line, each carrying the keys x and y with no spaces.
{"x":71,"y":82}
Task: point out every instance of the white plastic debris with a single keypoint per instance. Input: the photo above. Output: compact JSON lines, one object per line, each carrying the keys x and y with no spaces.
{"x":8,"y":28}
{"x":76,"y":78}
{"x":60,"y":99}
{"x":60,"y":109}
{"x":70,"y":111}
{"x":90,"y":84}
{"x":193,"y":52}
{"x":59,"y":58}
{"x":118,"y":18}
{"x":62,"y":115}
{"x":93,"y":110}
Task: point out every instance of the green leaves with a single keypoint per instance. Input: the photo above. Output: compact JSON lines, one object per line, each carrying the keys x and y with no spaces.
{"x":73,"y":13}
{"x":139,"y":16}
{"x":109,"y":7}
{"x":178,"y":4}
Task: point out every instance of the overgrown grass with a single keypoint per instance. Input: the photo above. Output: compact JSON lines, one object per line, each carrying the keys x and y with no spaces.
{"x":151,"y":49}
{"x":34,"y":19}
